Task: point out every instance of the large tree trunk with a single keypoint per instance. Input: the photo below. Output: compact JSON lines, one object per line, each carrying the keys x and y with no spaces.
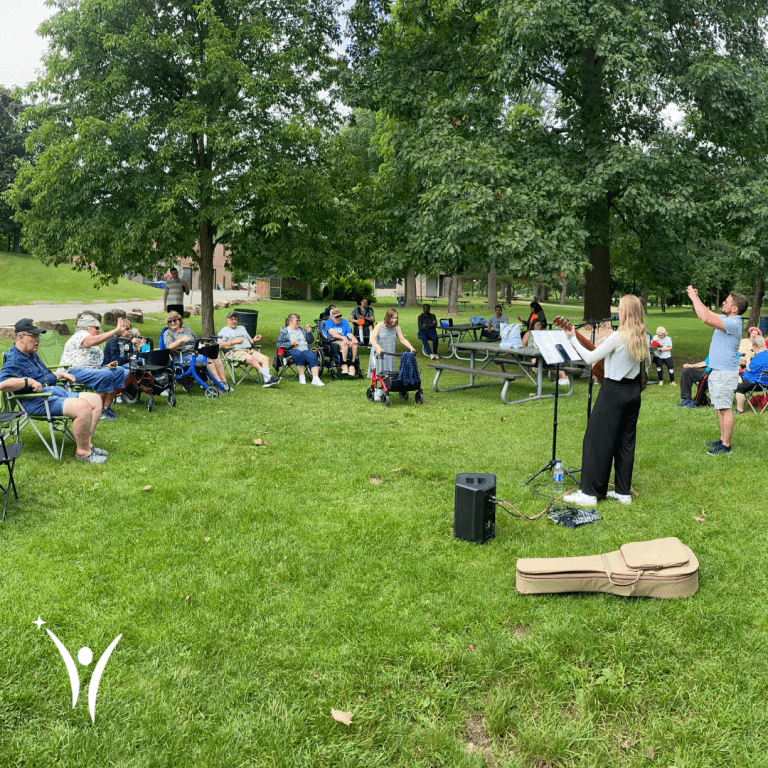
{"x":644,"y":298}
{"x":453,"y":295}
{"x":309,"y":292}
{"x":506,"y":290}
{"x":563,"y":291}
{"x":492,"y":299}
{"x":542,"y":291}
{"x":205,"y":264}
{"x":757,"y":302}
{"x":410,"y":288}
{"x":16,"y":242}
{"x":597,"y":289}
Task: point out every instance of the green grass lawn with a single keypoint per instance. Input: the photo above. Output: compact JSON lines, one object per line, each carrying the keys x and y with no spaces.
{"x":258,"y":587}
{"x":26,"y":280}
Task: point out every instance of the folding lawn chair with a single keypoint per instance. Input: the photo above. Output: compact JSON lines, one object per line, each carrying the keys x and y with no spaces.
{"x":9,"y":452}
{"x":758,"y":400}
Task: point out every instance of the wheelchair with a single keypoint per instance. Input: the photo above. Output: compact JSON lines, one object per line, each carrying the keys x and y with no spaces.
{"x":331,"y":354}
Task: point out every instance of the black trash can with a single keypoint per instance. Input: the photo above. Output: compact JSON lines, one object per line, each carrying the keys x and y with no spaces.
{"x":249,"y":319}
{"x":763,"y":325}
{"x":400,"y":301}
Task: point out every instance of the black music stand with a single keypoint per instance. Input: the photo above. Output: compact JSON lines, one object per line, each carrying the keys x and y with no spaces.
{"x":556,"y":349}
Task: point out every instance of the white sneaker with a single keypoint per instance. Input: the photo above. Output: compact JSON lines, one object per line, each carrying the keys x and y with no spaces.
{"x":377,"y":395}
{"x":619,"y":497}
{"x":580,"y":499}
{"x":302,"y":379}
{"x":563,"y":382}
{"x":316,"y":381}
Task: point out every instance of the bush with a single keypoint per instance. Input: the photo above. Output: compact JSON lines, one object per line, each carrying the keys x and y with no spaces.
{"x":350,"y":288}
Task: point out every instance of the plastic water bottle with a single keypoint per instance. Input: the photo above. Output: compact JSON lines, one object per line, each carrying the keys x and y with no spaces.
{"x":557,"y":478}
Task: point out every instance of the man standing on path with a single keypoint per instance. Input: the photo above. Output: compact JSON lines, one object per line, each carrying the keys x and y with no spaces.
{"x":723,"y":360}
{"x":173,"y":297}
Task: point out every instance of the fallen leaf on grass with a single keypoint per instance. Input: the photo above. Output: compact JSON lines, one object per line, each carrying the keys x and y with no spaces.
{"x":188,"y":598}
{"x":375,"y":479}
{"x":627,"y":744}
{"x":649,"y":753}
{"x":398,"y":469}
{"x":258,"y":441}
{"x":701,"y":519}
{"x":342,"y":717}
{"x":133,"y":410}
{"x":147,"y":488}
{"x":207,"y":538}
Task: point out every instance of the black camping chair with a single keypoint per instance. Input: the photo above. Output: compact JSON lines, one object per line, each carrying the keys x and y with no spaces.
{"x":9,"y":452}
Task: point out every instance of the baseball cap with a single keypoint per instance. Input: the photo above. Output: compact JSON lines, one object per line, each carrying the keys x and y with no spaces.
{"x":27,"y":325}
{"x":335,"y":313}
{"x":231,"y":314}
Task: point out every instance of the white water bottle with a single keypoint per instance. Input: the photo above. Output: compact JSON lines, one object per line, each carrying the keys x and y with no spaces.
{"x":557,"y":478}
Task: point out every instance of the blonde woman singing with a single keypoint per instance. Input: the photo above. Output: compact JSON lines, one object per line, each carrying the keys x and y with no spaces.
{"x":612,"y":427}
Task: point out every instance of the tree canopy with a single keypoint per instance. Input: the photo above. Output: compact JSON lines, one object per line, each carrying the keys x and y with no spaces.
{"x":160,"y":125}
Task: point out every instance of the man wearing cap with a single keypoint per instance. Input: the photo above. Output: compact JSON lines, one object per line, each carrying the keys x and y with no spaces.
{"x":338,"y":331}
{"x":173,"y":296}
{"x":24,"y":373}
{"x":234,"y":338}
{"x":84,"y":359}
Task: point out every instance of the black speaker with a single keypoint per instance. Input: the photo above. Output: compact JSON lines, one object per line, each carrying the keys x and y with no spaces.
{"x":474,"y":514}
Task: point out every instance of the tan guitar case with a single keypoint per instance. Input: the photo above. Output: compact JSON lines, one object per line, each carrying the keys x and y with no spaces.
{"x":663,"y":568}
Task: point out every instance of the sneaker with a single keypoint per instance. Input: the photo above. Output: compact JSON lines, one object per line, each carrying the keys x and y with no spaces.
{"x":302,"y":379}
{"x":272,"y":382}
{"x":661,"y":383}
{"x":351,"y":371}
{"x":377,"y":395}
{"x":690,"y":404}
{"x":580,"y":499}
{"x":738,"y":413}
{"x":719,"y":449}
{"x":344,"y":369}
{"x":119,"y":399}
{"x":619,"y":497}
{"x":105,"y":417}
{"x":225,"y":387}
{"x":99,"y":451}
{"x":684,"y":403}
{"x":92,"y":458}
{"x":109,"y":410}
{"x":672,"y":384}
{"x":435,"y":356}
{"x":316,"y":381}
{"x":715,"y":444}
{"x":563,"y":382}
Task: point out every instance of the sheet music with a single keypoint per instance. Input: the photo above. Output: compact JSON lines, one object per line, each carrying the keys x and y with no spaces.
{"x":547,"y":342}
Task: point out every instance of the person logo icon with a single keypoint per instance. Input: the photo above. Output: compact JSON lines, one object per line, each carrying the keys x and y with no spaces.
{"x":84,"y":657}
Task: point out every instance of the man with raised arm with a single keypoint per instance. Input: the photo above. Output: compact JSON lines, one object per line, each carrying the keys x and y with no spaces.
{"x":723,"y":360}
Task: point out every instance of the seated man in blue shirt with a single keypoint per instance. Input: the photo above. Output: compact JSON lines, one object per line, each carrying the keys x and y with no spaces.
{"x":337,"y":329}
{"x":693,"y":373}
{"x":23,"y":372}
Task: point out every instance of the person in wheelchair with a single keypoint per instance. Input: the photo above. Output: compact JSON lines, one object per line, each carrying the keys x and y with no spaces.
{"x":176,"y":335}
{"x":338,"y":331}
{"x":363,"y":319}
{"x":235,"y":340}
{"x":295,"y":342}
{"x":755,"y":372}
{"x":120,"y":347}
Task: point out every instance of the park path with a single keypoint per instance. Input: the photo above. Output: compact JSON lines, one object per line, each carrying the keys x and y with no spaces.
{"x":10,"y":315}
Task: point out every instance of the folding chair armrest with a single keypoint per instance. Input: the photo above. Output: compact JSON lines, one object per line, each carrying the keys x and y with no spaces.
{"x":7,"y":416}
{"x":28,"y":395}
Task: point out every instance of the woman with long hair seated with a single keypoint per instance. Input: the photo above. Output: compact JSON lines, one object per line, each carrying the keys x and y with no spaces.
{"x":612,"y":427}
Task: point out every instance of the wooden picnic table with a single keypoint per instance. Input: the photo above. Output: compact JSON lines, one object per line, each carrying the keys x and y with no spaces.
{"x":492,"y":352}
{"x":463,"y":303}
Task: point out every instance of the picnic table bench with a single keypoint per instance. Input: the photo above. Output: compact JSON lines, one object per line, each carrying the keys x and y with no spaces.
{"x":493,"y":352}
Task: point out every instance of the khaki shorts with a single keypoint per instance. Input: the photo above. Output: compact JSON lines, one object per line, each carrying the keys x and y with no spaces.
{"x":722,"y":385}
{"x":241,"y":355}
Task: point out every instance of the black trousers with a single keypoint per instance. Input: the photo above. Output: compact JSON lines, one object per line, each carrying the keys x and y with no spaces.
{"x":690,"y":377}
{"x":610,"y":438}
{"x":176,"y":308}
